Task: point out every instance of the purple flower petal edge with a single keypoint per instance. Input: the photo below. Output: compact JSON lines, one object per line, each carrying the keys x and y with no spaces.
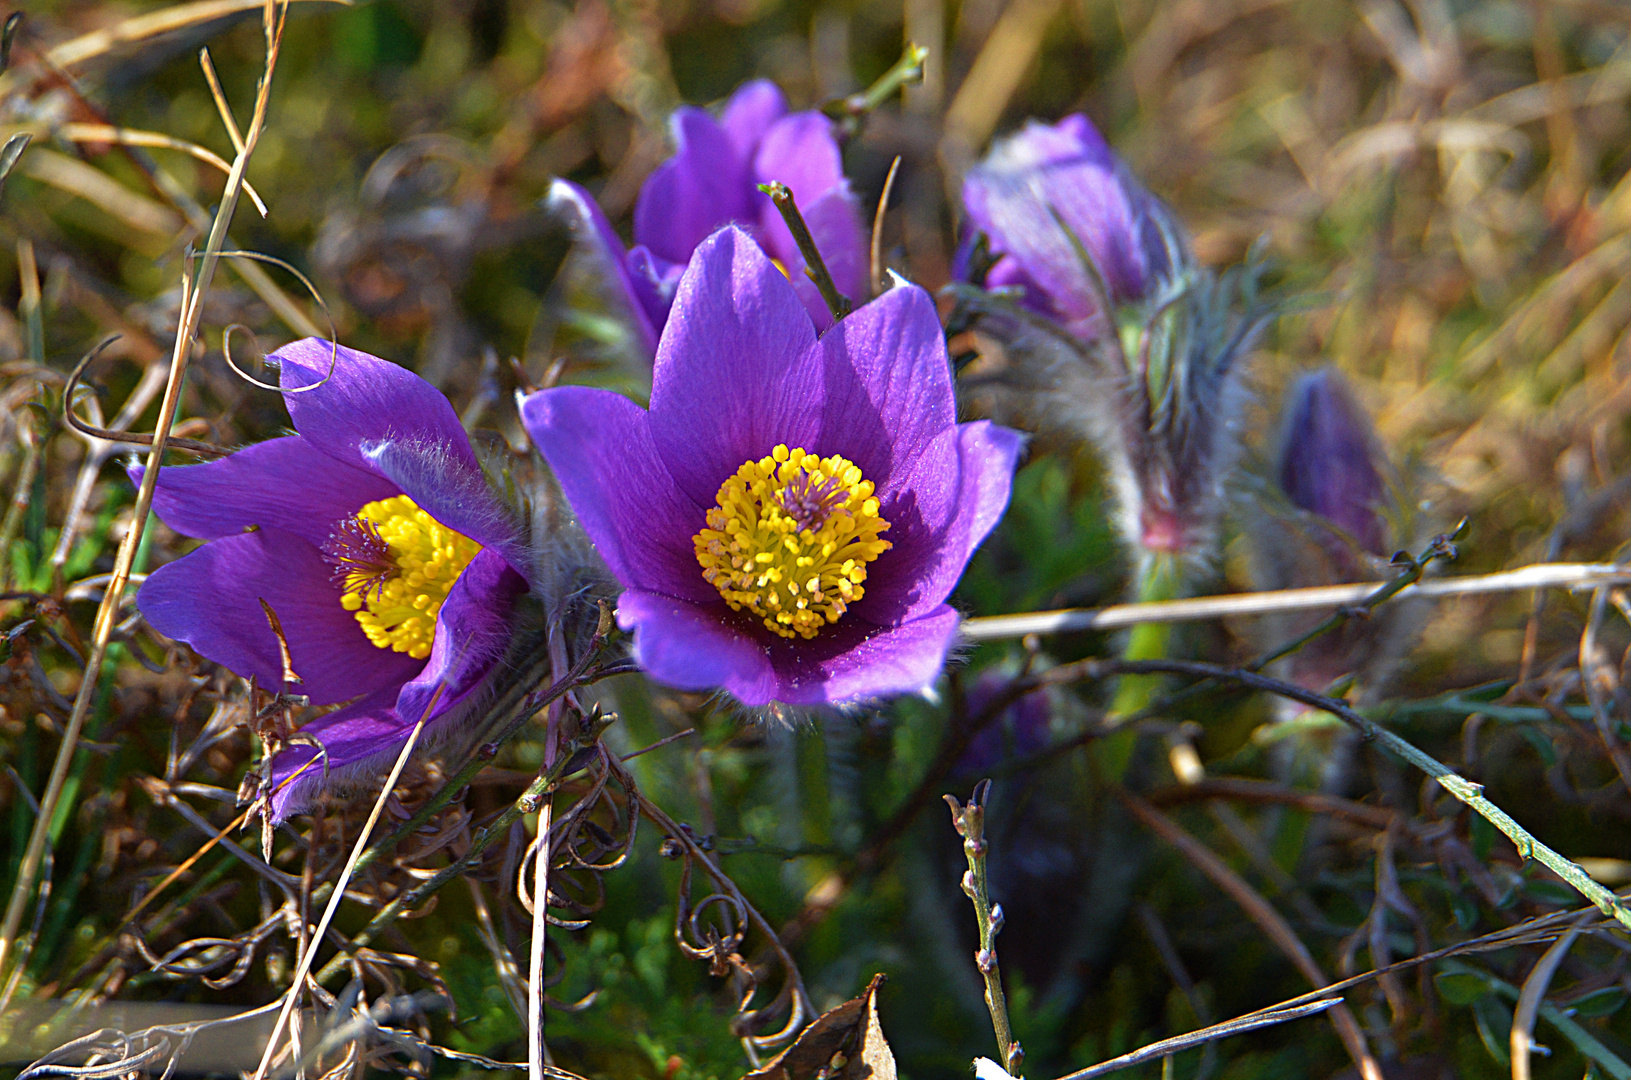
{"x":737,"y":374}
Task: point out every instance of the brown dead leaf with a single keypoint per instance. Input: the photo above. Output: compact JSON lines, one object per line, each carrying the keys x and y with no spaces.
{"x":846,"y":1043}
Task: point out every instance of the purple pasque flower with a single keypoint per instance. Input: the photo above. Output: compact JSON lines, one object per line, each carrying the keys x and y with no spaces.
{"x":711,"y":181}
{"x":1021,"y":730}
{"x":789,"y":516}
{"x":1327,"y":467}
{"x":1119,"y":336}
{"x":1052,"y":192}
{"x":374,"y":537}
{"x":1330,"y":468}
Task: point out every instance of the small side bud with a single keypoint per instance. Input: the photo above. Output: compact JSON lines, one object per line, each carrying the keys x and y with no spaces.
{"x":1328,"y":462}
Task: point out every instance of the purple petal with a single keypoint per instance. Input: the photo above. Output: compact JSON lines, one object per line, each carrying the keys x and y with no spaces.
{"x":1328,"y":459}
{"x":456,"y":494}
{"x":887,"y":388}
{"x":367,"y":400}
{"x":472,"y":632}
{"x":703,"y":186}
{"x":1007,"y":273}
{"x":800,"y":151}
{"x":749,"y":114}
{"x":699,"y":647}
{"x":692,"y":647}
{"x":897,"y":660}
{"x":281,"y":483}
{"x":211,"y":600}
{"x":1065,"y":173}
{"x":361,"y":734}
{"x":737,"y":370}
{"x":655,"y":281}
{"x":593,"y":234}
{"x":955,"y":495}
{"x":600,"y":448}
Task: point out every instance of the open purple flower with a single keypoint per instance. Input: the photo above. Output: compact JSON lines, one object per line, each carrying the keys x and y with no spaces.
{"x":373,"y":536}
{"x":711,"y":181}
{"x":773,"y":475}
{"x":1051,"y":187}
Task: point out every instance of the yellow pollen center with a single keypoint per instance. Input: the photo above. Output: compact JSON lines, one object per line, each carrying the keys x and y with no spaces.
{"x":791,"y":538}
{"x":396,"y":564}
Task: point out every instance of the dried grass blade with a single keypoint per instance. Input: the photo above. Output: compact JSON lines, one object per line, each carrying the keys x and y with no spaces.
{"x":108,"y":133}
{"x":537,"y":1053}
{"x":304,"y":967}
{"x":1533,"y":993}
{"x":1238,"y":1026}
{"x":69,"y":174}
{"x":1262,"y":913}
{"x":142,"y":27}
{"x":1537,"y":576}
{"x":192,"y":308}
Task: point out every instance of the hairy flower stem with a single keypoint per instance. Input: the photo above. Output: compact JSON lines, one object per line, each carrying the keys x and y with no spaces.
{"x":970,"y":824}
{"x":814,"y":265}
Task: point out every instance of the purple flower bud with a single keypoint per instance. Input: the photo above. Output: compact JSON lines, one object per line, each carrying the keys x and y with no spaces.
{"x":712,"y":181}
{"x":1044,"y":191}
{"x":1330,"y":466}
{"x":1021,"y":730}
{"x":1327,"y":463}
{"x":1122,"y":339}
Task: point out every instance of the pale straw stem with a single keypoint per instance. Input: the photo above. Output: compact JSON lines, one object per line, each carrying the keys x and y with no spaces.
{"x":304,"y":967}
{"x":540,"y":925}
{"x":1194,"y":609}
{"x":192,"y":308}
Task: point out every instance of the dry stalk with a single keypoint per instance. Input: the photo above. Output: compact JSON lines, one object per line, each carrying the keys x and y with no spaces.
{"x":1533,"y":993}
{"x":192,"y":309}
{"x":537,"y":1053}
{"x":1071,"y":620}
{"x":304,"y":967}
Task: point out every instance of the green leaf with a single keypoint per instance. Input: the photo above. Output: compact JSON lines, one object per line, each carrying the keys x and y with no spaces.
{"x":1494,"y":1027}
{"x":1551,"y":892}
{"x":1604,"y":1002}
{"x":1461,"y":987}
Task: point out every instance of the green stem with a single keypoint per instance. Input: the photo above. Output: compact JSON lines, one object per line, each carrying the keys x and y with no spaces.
{"x":814,"y":265}
{"x":970,"y":824}
{"x":1159,"y":580}
{"x":1470,"y":793}
{"x":849,"y":112}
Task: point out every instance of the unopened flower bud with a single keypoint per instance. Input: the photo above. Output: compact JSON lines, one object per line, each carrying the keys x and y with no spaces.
{"x":1069,"y":224}
{"x":1327,"y":462}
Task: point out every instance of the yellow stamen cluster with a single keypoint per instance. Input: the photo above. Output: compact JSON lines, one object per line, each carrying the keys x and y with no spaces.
{"x":791,"y":539}
{"x":397,"y":600}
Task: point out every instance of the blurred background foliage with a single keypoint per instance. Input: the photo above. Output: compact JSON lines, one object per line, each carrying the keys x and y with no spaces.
{"x":1447,"y":180}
